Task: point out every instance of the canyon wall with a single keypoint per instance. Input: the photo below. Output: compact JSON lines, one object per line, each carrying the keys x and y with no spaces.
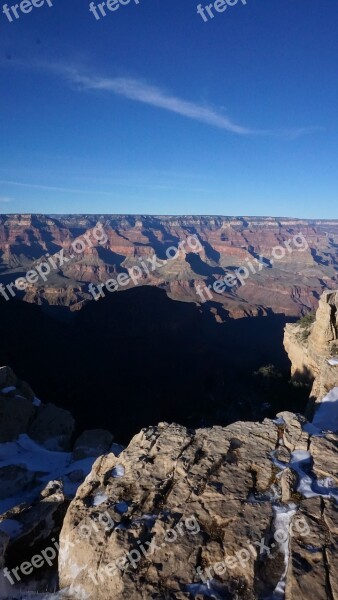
{"x":290,"y":282}
{"x":312,"y":346}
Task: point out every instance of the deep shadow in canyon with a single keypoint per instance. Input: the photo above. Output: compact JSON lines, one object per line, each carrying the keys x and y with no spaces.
{"x":137,"y":357}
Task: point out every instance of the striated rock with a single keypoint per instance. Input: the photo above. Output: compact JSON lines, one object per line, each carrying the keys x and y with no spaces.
{"x":197,"y":499}
{"x":227,"y":243}
{"x":325,"y":328}
{"x":311,"y":346}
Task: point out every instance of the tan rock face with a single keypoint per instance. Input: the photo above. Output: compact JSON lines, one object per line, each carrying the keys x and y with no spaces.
{"x":180,"y":507}
{"x":310,"y":347}
{"x":325,"y":329}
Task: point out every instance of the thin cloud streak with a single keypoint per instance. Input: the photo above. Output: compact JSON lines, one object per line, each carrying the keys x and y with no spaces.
{"x":141,"y":91}
{"x":52,"y":188}
{"x":147,"y":94}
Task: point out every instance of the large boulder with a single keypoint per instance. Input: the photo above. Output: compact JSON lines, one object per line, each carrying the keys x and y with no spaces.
{"x":209,"y":513}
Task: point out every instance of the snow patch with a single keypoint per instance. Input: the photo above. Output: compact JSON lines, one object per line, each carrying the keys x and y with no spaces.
{"x":99,"y":499}
{"x":36,"y":401}
{"x":9,"y":388}
{"x":282,"y":520}
{"x":118,"y":471}
{"x":326,"y":415}
{"x":210,"y":589}
{"x":51,"y":465}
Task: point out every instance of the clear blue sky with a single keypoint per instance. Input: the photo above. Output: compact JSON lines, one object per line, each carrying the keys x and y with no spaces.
{"x":153,"y":110}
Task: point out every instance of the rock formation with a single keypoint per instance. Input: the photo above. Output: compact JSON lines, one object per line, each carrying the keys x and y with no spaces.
{"x":243,"y":512}
{"x":312,"y":346}
{"x":38,"y":477}
{"x":160,"y":520}
{"x":227,"y":243}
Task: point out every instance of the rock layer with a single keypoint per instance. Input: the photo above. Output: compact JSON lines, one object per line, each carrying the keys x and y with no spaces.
{"x":312,"y":346}
{"x":289,"y":283}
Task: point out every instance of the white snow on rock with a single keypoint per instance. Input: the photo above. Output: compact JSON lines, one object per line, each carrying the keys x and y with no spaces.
{"x":118,"y":471}
{"x":99,"y":499}
{"x":205,"y":590}
{"x":282,"y":520}
{"x":9,"y":388}
{"x":326,"y":415}
{"x":36,"y":401}
{"x":308,"y":485}
{"x":51,"y":465}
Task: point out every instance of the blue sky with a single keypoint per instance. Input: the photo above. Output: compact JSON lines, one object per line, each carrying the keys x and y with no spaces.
{"x":153,"y":110}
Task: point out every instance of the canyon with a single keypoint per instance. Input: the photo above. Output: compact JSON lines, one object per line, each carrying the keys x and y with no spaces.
{"x":289,"y":286}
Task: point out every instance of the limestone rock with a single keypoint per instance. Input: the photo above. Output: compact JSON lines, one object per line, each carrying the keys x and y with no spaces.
{"x":310,"y":348}
{"x":209,"y":489}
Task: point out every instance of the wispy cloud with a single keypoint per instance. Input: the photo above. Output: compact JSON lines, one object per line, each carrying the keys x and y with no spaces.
{"x":5,"y":199}
{"x":141,"y":91}
{"x":50,"y":188}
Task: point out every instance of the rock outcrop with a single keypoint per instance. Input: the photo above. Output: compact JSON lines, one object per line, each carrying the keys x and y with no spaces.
{"x":208,"y":513}
{"x":312,"y":346}
{"x":244,"y":512}
{"x":38,"y":477}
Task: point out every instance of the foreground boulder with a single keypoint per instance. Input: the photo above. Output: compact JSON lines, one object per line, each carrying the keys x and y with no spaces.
{"x":221,"y":513}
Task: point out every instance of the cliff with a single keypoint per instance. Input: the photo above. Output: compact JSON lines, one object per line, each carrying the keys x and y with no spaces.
{"x":312,"y":346}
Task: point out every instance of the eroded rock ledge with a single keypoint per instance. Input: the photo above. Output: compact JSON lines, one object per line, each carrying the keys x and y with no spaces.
{"x":313,"y":346}
{"x":237,"y":484}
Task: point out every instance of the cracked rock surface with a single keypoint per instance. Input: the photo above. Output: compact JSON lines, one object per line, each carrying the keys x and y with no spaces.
{"x":193,"y":499}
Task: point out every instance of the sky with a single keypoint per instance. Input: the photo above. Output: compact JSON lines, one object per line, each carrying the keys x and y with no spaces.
{"x":158,"y":109}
